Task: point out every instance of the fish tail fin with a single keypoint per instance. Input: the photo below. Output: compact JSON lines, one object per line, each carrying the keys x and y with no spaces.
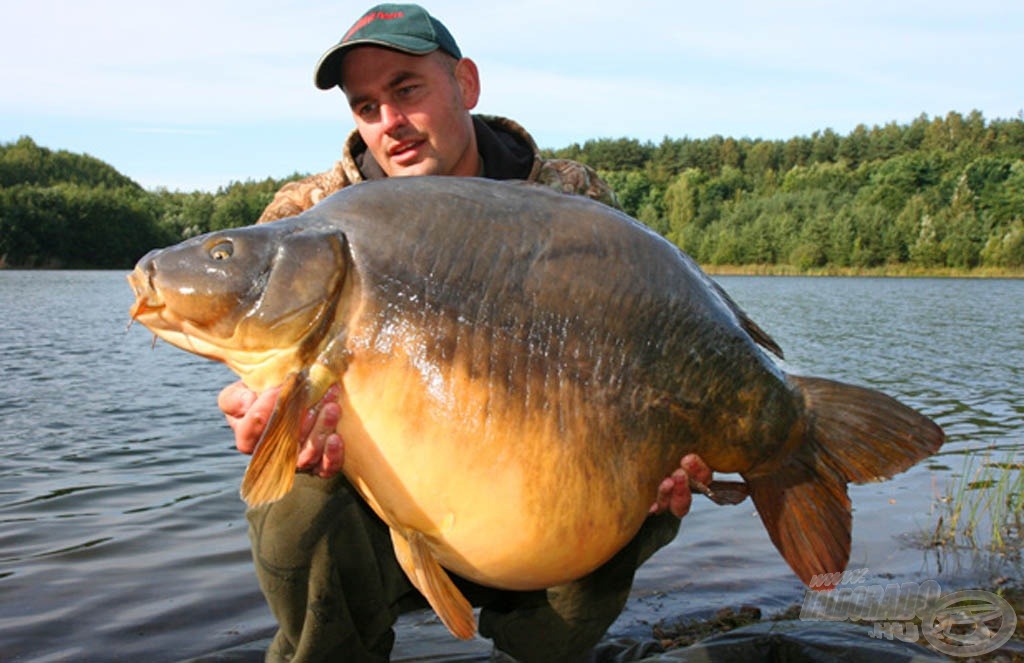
{"x":271,"y":472}
{"x":865,"y":434}
{"x":852,"y":434}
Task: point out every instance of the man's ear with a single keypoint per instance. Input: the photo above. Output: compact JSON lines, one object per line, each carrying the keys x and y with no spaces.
{"x":468,"y":78}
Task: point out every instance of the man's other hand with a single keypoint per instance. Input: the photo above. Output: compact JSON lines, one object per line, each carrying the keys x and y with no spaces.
{"x":674,"y":492}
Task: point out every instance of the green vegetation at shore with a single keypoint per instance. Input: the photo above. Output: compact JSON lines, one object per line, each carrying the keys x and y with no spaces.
{"x":938,"y":196}
{"x":982,"y":510}
{"x":64,"y":210}
{"x":932,"y":196}
{"x":889,"y":270}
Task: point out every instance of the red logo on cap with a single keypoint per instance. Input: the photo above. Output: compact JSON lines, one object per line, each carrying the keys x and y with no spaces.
{"x":370,"y":18}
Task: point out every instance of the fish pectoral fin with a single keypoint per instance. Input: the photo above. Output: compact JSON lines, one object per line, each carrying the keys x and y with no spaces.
{"x":271,"y":471}
{"x":433,"y":582}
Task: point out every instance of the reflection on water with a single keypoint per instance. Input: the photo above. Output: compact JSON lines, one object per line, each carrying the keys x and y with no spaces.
{"x":122,"y":535}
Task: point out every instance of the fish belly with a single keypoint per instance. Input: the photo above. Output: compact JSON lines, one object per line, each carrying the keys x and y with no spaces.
{"x":500,"y":496}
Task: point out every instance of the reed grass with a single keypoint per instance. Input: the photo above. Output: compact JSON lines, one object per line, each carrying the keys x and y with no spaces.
{"x":982,"y":508}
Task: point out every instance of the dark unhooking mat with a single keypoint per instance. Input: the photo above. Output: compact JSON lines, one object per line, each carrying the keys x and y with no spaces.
{"x":794,"y":641}
{"x":790,"y":641}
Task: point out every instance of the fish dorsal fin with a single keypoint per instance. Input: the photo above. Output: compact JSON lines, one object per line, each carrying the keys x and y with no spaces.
{"x":271,"y":471}
{"x":759,"y":335}
{"x":434,"y":583}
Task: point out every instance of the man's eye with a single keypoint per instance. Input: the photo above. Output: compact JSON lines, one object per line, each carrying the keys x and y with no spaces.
{"x":407,"y":90}
{"x":367,"y":111}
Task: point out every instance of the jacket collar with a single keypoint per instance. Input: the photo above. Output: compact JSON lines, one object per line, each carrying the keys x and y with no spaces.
{"x":507,"y":150}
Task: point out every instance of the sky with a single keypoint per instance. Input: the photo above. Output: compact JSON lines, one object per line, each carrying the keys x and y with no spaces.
{"x":192,"y":95}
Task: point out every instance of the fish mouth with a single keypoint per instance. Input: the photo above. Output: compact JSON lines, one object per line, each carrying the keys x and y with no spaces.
{"x":154,"y":311}
{"x":147,"y":299}
{"x":141,"y":308}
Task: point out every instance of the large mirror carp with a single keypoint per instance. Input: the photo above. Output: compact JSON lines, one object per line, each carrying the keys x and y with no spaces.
{"x":519,"y":370}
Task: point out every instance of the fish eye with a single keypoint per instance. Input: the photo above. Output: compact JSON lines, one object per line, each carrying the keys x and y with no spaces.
{"x":222,"y":250}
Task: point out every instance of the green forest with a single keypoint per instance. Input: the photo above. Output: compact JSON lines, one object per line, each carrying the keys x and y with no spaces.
{"x":937,"y":195}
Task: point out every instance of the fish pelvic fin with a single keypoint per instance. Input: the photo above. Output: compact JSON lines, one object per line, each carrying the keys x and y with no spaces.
{"x":852,"y":434}
{"x":433,"y":582}
{"x":271,"y":472}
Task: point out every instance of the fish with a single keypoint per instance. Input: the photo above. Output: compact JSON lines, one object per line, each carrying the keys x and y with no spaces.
{"x":519,"y":369}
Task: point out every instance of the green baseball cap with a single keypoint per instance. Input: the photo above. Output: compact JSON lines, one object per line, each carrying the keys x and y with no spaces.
{"x":406,"y":28}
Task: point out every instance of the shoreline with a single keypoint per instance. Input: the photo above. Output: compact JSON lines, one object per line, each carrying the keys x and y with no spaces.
{"x":684,"y":633}
{"x":682,"y":639}
{"x":886,"y":271}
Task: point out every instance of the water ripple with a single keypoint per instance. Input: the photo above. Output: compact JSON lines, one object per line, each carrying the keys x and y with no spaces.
{"x":121,"y":528}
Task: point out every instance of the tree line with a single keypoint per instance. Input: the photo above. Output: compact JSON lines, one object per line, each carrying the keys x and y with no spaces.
{"x":64,"y":210}
{"x":942,"y":192}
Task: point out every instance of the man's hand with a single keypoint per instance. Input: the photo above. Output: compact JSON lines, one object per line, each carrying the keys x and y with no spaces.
{"x":321,"y":453}
{"x":674,"y":492}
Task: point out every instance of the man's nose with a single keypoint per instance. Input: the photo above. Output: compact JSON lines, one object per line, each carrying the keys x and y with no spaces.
{"x":391,"y":116}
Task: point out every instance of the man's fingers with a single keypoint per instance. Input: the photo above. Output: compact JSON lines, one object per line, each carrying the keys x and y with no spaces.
{"x":696,"y":468}
{"x":313,"y":422}
{"x":680,"y":498}
{"x":321,"y":452}
{"x":329,"y":462}
{"x":250,"y":426}
{"x":674,"y":492}
{"x":315,"y":442}
{"x":235,"y":400}
{"x":334,"y":456}
{"x":664,"y":495}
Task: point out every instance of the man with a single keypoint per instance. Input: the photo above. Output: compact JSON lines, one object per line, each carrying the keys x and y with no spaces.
{"x":324,"y":560}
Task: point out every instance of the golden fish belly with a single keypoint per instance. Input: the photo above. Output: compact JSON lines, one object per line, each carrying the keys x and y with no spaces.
{"x":505,"y":495}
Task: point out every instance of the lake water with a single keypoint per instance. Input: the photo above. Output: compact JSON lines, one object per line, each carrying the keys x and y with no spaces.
{"x":122,"y":536}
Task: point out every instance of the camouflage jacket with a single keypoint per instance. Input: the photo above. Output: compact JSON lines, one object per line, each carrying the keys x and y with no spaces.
{"x":507,"y":150}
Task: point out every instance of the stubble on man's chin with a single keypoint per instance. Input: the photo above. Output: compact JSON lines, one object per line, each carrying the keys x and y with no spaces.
{"x":418,"y":169}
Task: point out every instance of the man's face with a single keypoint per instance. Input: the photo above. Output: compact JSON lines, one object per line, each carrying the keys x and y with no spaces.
{"x":413,"y":111}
